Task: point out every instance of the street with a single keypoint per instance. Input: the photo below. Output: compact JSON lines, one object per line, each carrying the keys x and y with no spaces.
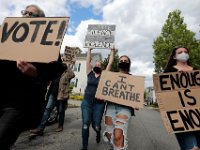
{"x":146,"y":132}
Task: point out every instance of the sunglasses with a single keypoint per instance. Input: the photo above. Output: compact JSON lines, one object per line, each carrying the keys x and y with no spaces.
{"x":31,"y":14}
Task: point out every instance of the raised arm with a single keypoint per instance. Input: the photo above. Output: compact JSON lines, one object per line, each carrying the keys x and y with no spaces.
{"x":111,"y":58}
{"x":88,"y":60}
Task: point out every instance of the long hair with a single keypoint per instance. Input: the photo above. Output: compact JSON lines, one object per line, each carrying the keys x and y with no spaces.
{"x":171,"y":61}
{"x":128,"y":60}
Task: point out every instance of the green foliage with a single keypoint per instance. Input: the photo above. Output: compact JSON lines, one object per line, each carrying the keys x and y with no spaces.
{"x":114,"y":67}
{"x":71,"y":86}
{"x":155,"y":105}
{"x":145,"y":94}
{"x":174,"y":33}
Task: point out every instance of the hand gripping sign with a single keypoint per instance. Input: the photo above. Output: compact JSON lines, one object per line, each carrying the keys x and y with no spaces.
{"x":178,"y":98}
{"x":120,"y":88}
{"x":32,"y":39}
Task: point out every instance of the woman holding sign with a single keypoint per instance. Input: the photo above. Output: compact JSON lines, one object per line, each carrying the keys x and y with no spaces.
{"x":117,"y":116}
{"x":179,"y":61}
{"x":92,"y":109}
{"x":23,"y":87}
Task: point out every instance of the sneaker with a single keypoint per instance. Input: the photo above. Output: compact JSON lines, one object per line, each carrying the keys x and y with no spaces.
{"x":107,"y":141}
{"x":37,"y":131}
{"x":98,"y":137}
{"x":59,"y":129}
{"x":106,"y":137}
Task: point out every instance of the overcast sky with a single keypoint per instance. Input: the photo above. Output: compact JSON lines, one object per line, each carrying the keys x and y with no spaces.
{"x":138,"y":23}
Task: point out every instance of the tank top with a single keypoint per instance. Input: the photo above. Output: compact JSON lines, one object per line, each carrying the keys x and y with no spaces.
{"x":92,"y":84}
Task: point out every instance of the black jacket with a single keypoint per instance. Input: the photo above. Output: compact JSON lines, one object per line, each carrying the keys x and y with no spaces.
{"x":20,"y":91}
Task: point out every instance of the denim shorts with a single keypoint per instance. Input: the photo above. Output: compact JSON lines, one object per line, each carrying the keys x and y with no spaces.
{"x":112,"y":111}
{"x":188,"y":140}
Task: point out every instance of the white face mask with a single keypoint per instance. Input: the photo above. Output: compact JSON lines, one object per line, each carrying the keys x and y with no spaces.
{"x":183,"y":57}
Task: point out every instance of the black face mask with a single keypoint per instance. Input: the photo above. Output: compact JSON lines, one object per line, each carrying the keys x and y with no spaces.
{"x":124,"y":66}
{"x":97,"y":70}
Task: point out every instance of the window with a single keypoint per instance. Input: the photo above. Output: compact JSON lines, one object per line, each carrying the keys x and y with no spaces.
{"x":76,"y":67}
{"x":76,"y":82}
{"x":79,"y":67}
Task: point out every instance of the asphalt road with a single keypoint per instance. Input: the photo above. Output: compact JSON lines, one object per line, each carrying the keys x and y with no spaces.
{"x":146,"y":132}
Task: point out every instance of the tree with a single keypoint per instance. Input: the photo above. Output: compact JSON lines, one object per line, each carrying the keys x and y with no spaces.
{"x":174,"y":33}
{"x":114,"y":67}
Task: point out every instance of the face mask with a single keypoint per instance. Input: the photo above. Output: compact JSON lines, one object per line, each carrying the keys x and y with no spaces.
{"x":183,"y":57}
{"x":124,"y":66}
{"x":97,"y":70}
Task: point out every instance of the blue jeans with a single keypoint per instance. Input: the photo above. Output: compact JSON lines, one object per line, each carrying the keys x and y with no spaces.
{"x":61,"y":106}
{"x":113,"y":110}
{"x":188,"y":140}
{"x":50,"y":105}
{"x":92,"y":112}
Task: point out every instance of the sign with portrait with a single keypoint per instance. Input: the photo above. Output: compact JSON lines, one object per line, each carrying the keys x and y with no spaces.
{"x":100,"y":36}
{"x":178,"y":98}
{"x":32,"y":39}
{"x":120,"y":88}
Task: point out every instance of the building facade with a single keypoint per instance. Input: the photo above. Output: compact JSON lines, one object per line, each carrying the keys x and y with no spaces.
{"x":150,"y":95}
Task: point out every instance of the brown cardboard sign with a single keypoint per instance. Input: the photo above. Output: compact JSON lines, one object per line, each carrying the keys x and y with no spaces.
{"x":178,"y":98}
{"x":121,"y":88}
{"x":70,"y":54}
{"x":100,"y":36}
{"x":32,"y":39}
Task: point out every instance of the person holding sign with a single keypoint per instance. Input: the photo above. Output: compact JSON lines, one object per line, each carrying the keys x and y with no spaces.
{"x":23,"y":88}
{"x":92,"y":108}
{"x":179,"y":61}
{"x":117,"y":116}
{"x":57,"y":95}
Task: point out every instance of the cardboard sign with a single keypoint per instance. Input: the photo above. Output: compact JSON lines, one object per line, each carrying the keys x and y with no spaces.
{"x":121,"y":88}
{"x":32,"y":39}
{"x":100,"y":36}
{"x":178,"y":98}
{"x":70,"y":54}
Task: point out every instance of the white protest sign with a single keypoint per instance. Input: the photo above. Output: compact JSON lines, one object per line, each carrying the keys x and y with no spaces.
{"x":100,"y":36}
{"x":178,"y":98}
{"x":122,"y":89}
{"x":32,"y":39}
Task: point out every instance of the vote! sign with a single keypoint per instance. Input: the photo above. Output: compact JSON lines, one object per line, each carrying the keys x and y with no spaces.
{"x":178,"y":98}
{"x":32,"y":39}
{"x":100,"y":36}
{"x":121,"y":88}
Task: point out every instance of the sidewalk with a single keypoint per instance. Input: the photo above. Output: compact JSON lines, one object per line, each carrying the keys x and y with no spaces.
{"x":74,"y":103}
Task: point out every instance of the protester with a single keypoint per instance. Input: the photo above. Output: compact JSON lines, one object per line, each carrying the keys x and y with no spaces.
{"x":23,"y":86}
{"x":179,"y":62}
{"x":58,"y":95}
{"x":92,"y":109}
{"x":63,"y":96}
{"x":117,"y":116}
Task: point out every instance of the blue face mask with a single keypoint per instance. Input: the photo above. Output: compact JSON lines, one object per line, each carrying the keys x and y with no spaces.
{"x":183,"y":57}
